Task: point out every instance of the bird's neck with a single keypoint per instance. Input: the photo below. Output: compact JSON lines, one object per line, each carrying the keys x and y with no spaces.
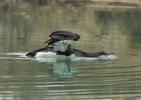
{"x":62,"y":46}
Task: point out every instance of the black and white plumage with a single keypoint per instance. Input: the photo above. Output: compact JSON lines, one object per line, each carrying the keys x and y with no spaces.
{"x":60,"y":43}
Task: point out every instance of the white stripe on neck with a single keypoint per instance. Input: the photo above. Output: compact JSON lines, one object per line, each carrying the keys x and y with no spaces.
{"x":62,"y":45}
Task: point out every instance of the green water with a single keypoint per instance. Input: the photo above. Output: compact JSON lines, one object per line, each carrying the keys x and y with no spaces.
{"x":24,"y":28}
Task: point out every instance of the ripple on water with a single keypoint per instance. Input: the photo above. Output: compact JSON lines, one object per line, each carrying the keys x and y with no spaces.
{"x":52,"y":57}
{"x":95,"y":82}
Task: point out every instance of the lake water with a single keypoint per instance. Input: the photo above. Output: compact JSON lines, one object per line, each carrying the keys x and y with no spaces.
{"x":24,"y":28}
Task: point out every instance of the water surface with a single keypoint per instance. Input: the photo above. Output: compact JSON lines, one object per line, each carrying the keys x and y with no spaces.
{"x":23,"y":29}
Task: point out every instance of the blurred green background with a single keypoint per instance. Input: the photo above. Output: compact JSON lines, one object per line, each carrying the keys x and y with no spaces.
{"x":104,"y":25}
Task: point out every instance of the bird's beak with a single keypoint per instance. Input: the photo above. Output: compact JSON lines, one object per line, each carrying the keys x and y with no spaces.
{"x":47,"y":41}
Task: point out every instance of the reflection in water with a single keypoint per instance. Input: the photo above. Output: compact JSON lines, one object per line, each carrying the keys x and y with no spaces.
{"x":61,"y":80}
{"x":62,"y":70}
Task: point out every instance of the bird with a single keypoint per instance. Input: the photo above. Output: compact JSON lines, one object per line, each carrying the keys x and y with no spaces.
{"x":60,"y":43}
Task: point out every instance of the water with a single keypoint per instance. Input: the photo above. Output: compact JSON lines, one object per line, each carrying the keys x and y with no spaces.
{"x":23,"y":29}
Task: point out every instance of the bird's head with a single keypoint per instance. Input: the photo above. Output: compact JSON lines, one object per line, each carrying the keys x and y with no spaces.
{"x":61,"y":40}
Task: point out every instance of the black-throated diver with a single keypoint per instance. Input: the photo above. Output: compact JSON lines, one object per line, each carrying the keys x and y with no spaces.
{"x":60,"y":43}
